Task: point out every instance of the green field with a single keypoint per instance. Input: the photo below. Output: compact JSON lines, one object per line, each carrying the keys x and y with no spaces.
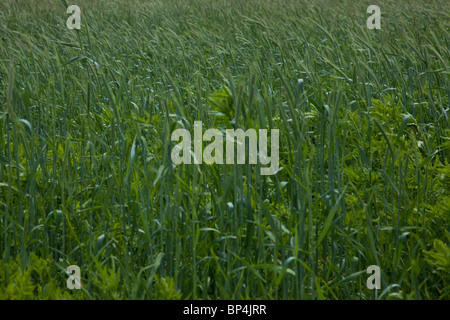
{"x":87,"y":179}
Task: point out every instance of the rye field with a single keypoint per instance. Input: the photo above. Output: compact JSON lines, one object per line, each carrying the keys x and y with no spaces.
{"x":87,"y":177}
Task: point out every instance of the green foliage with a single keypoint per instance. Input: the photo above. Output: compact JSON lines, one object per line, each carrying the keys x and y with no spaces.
{"x":222,"y":101}
{"x":166,"y":289}
{"x":439,"y":256}
{"x":86,"y":177}
{"x":439,"y":259}
{"x":16,"y":283}
{"x":36,"y":279}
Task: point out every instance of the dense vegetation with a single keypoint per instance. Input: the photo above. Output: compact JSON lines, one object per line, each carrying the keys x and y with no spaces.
{"x":86,"y":176}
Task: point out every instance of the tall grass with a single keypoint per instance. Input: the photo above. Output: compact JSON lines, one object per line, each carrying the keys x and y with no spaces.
{"x":86,"y":176}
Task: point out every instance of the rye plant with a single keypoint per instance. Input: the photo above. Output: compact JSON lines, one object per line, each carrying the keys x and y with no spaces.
{"x":86,"y":176}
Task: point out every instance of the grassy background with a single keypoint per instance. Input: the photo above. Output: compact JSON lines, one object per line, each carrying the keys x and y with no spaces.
{"x":86,"y":176}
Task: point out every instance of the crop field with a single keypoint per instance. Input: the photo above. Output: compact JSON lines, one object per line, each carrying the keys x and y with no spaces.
{"x":87,"y":171}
